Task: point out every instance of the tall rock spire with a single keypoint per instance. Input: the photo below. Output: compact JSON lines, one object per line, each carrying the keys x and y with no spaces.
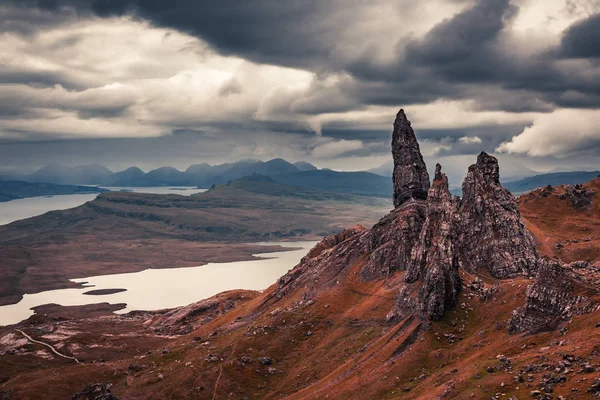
{"x":411,"y":180}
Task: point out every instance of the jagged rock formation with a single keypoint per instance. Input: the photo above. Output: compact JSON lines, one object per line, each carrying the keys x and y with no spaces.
{"x":553,"y":297}
{"x":411,"y":180}
{"x":491,"y":235}
{"x":578,"y":195}
{"x":435,"y":258}
{"x":432,"y":275}
{"x":429,"y":235}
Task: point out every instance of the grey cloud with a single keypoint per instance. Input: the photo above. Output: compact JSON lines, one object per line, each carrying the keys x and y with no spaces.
{"x":581,"y":40}
{"x":461,"y":50}
{"x":466,"y":35}
{"x":10,"y":75}
{"x":464,"y":57}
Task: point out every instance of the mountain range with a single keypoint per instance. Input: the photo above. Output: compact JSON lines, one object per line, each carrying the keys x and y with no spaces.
{"x":202,"y":175}
{"x":374,"y":182}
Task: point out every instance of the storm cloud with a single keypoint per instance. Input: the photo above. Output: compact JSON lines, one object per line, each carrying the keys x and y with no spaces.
{"x":325,"y":76}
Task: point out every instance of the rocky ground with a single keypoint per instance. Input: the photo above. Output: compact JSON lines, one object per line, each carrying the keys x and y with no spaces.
{"x":444,"y":298}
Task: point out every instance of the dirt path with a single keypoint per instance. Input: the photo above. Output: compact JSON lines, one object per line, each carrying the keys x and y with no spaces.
{"x":47,"y":345}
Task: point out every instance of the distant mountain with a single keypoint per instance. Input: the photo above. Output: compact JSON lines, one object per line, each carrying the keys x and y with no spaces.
{"x":360,"y":183}
{"x":246,"y":168}
{"x":554,"y":179}
{"x":13,"y":190}
{"x":131,"y":177}
{"x":304,"y":166}
{"x":167,"y":176}
{"x":386,"y":169}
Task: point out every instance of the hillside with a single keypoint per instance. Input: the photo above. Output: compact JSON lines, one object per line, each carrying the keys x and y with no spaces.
{"x":565,"y":220}
{"x":358,"y":183}
{"x":12,"y":190}
{"x":126,"y":232}
{"x":553,"y":179}
{"x":443,"y":298}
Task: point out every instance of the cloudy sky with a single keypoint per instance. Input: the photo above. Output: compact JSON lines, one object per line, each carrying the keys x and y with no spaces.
{"x":150,"y":83}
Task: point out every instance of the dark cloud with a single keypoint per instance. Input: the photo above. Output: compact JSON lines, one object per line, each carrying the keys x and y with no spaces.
{"x":462,"y":50}
{"x":463,"y":39}
{"x":468,"y":56}
{"x":581,"y":40}
{"x":266,"y":31}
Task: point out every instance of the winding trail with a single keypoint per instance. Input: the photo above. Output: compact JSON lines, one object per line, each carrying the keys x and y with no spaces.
{"x":221,"y":371}
{"x":49,"y":346}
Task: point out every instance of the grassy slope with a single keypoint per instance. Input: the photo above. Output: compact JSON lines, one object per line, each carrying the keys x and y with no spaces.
{"x":352,"y":351}
{"x":554,"y":221}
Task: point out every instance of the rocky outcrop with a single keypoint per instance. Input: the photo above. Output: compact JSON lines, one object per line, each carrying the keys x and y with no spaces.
{"x":434,"y":262}
{"x":96,"y":391}
{"x":429,"y":234}
{"x":578,"y":195}
{"x":491,"y":236}
{"x":411,"y":180}
{"x":553,"y":297}
{"x":183,"y":320}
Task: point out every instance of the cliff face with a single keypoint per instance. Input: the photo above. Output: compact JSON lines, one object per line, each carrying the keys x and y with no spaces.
{"x":491,"y":236}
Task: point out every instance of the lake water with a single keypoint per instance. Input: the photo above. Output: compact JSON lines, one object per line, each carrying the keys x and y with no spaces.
{"x":155,"y":289}
{"x":15,"y":210}
{"x":180,"y":190}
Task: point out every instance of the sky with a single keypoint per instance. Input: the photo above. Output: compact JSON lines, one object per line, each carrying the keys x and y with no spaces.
{"x":152,"y":83}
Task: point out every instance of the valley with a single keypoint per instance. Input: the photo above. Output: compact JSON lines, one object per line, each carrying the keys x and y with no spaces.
{"x":122,"y":232}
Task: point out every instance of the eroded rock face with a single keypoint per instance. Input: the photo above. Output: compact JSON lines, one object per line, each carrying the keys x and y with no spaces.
{"x":552,"y":298}
{"x":491,"y":236}
{"x":391,"y":240}
{"x":578,"y":195}
{"x":434,"y":266}
{"x":411,"y":180}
